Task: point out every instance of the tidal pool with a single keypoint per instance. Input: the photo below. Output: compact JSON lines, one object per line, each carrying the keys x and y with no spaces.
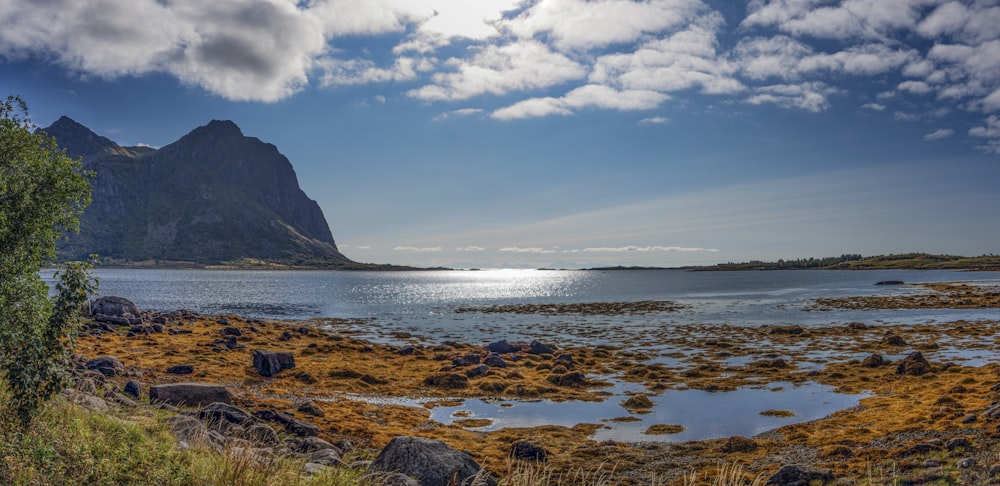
{"x":704,"y":415}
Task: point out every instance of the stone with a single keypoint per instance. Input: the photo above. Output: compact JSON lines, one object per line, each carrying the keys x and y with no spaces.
{"x":565,"y":360}
{"x":232,"y":331}
{"x":958,"y":442}
{"x":181,"y":370}
{"x":85,"y":400}
{"x":407,"y":351}
{"x":114,"y":307}
{"x":495,"y":361}
{"x":326,"y":457}
{"x":120,"y":399}
{"x":261,"y":434}
{"x":269,"y":363}
{"x":796,"y":475}
{"x":568,"y":379}
{"x":190,"y":431}
{"x":219,"y":411}
{"x":189,"y":394}
{"x":857,"y":326}
{"x":528,"y":451}
{"x":913,"y":365}
{"x":312,"y":408}
{"x":222,"y":320}
{"x":890,"y":282}
{"x":479,"y":370}
{"x":399,"y":479}
{"x":966,"y":463}
{"x":107,"y":365}
{"x":874,"y":361}
{"x":430,"y":462}
{"x":312,"y":444}
{"x":794,"y":329}
{"x":893,"y":340}
{"x":538,"y":348}
{"x":133,"y":388}
{"x":502,"y":347}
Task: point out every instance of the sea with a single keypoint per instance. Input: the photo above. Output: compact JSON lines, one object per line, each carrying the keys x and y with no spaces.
{"x":426,"y":307}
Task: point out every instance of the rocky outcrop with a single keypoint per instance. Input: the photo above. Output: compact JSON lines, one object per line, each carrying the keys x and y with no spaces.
{"x":430,"y":462}
{"x":212,"y":196}
{"x":269,"y":363}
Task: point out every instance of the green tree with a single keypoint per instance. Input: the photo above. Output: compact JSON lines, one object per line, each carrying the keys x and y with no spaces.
{"x":42,"y":194}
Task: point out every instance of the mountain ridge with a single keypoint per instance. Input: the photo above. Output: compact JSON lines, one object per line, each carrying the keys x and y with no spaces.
{"x":211,"y":197}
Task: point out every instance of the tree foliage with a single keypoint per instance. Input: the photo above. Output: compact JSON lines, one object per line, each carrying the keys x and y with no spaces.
{"x":42,"y":194}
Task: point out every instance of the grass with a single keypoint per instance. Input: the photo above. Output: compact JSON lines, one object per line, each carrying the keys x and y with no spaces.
{"x":67,"y":445}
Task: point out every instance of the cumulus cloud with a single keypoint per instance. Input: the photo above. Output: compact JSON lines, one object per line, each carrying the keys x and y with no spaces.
{"x":991,"y":132}
{"x":684,"y":60}
{"x":498,"y":70}
{"x":581,"y":24}
{"x":915,"y":87}
{"x":810,"y":96}
{"x":874,"y":106}
{"x":939,"y":134}
{"x":418,"y":249}
{"x":787,"y":58}
{"x":360,"y":71}
{"x":850,"y":19}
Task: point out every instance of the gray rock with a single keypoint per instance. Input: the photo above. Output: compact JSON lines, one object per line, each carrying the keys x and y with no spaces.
{"x":539,"y":348}
{"x":190,"y":431}
{"x":915,"y":364}
{"x":219,"y":411}
{"x":85,"y":400}
{"x":189,"y":394}
{"x":312,"y":408}
{"x":799,"y":475}
{"x":958,"y":442}
{"x":495,"y":361}
{"x":399,"y":479}
{"x":120,"y":399}
{"x":502,"y":347}
{"x":326,"y":457}
{"x":477,"y":371}
{"x":966,"y":463}
{"x":133,"y":388}
{"x":107,"y":365}
{"x":269,"y":363}
{"x":261,"y":434}
{"x":114,"y":307}
{"x":430,"y":462}
{"x":313,"y":444}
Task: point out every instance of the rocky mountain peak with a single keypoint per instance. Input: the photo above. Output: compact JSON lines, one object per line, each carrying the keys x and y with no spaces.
{"x":81,"y":142}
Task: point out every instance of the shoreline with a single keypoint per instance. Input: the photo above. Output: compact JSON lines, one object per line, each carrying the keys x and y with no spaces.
{"x":890,"y":428}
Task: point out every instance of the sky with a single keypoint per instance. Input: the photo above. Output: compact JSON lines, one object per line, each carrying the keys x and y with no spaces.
{"x":562,"y":133}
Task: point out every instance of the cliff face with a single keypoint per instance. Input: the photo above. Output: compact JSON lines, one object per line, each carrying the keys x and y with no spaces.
{"x":213,"y":196}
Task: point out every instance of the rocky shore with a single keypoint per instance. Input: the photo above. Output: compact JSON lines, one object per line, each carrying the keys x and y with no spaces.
{"x":314,"y":389}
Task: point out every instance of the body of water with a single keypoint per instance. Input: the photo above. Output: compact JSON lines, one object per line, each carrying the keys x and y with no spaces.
{"x":422,"y":306}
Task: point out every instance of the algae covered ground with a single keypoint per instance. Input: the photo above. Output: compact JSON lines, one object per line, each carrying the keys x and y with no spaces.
{"x":925,"y":391}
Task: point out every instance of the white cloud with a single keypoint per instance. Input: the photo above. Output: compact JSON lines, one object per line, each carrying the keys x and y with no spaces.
{"x":810,"y":96}
{"x":915,"y":87}
{"x":850,"y":19}
{"x":517,"y":249}
{"x":591,"y":95}
{"x":498,"y":70}
{"x":430,"y":249}
{"x":360,"y":71}
{"x":463,"y":112}
{"x":873,"y":106}
{"x":655,"y":120}
{"x":990,"y":130}
{"x":904,"y":116}
{"x":532,"y":108}
{"x":939,"y":134}
{"x":684,"y":60}
{"x":471,"y":248}
{"x":787,"y":58}
{"x":580,"y":24}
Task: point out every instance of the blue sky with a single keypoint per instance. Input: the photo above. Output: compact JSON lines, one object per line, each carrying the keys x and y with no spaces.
{"x":563,"y":133}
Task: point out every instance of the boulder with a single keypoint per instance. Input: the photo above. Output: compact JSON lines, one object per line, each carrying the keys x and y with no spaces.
{"x":115,"y":307}
{"x":430,"y":462}
{"x":190,"y":394}
{"x":190,"y":431}
{"x":261,"y":434}
{"x":107,"y":365}
{"x":915,"y":365}
{"x":292,"y":425}
{"x":539,"y":348}
{"x":85,"y":400}
{"x":269,"y":363}
{"x":312,"y":408}
{"x":893,"y":340}
{"x":219,"y":411}
{"x":799,"y":475}
{"x":133,"y":388}
{"x":874,"y":361}
{"x":502,"y":347}
{"x":495,"y":361}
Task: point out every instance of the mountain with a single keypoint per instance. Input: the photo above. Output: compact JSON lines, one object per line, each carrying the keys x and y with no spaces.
{"x":213,"y":196}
